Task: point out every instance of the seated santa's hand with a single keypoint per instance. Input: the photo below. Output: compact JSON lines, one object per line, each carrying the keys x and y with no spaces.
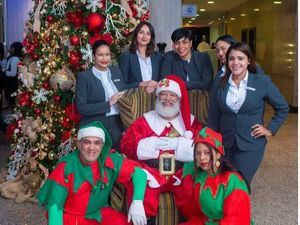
{"x":136,"y":213}
{"x":167,"y":143}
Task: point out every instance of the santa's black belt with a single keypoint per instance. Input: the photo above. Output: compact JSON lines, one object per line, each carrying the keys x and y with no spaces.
{"x":154,"y":163}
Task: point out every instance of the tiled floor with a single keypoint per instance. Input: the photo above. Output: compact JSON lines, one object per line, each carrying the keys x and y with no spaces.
{"x":274,"y":188}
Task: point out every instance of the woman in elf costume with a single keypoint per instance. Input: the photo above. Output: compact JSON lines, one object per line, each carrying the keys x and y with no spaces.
{"x":219,"y":191}
{"x":78,"y":189}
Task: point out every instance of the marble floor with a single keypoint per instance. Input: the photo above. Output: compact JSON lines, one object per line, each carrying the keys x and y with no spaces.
{"x":274,"y":188}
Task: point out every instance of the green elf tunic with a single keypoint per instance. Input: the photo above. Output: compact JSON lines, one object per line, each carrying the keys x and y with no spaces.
{"x":222,"y":199}
{"x":82,"y":191}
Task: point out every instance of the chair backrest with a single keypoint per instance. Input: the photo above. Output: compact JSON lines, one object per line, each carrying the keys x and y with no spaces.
{"x":135,"y":102}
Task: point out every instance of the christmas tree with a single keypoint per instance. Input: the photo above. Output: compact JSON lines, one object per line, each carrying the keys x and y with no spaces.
{"x":58,"y":40}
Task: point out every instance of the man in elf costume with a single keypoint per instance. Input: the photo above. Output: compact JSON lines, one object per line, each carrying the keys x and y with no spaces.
{"x":78,"y":189}
{"x":164,"y":135}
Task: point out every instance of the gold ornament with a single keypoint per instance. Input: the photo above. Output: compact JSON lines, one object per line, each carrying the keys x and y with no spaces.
{"x":45,"y":137}
{"x":42,"y":155}
{"x":64,"y":79}
{"x":84,"y":34}
{"x":66,"y":28}
{"x":51,"y":155}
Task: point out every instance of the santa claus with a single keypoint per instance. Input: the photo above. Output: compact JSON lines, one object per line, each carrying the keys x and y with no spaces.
{"x":162,"y":140}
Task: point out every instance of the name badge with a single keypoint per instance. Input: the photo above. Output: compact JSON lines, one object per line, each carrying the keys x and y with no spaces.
{"x":251,"y":88}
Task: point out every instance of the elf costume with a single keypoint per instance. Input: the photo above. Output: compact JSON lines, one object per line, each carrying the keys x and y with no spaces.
{"x":77,"y":193}
{"x":222,"y":198}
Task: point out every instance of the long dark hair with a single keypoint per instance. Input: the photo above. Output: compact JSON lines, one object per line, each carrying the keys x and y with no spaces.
{"x":134,"y":45}
{"x":244,"y":48}
{"x":225,"y":165}
{"x":229,"y":40}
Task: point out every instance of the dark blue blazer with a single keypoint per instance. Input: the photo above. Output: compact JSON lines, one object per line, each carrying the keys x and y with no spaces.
{"x":130,"y":67}
{"x":90,"y":95}
{"x":199,"y":69}
{"x":238,"y":126}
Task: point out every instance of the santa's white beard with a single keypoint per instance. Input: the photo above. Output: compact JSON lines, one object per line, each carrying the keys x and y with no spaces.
{"x":167,"y":111}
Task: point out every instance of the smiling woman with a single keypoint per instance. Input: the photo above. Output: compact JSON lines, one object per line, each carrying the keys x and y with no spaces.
{"x":97,"y":91}
{"x":237,"y":107}
{"x":140,"y":65}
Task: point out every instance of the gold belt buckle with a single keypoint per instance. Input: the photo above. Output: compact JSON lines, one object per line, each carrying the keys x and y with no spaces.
{"x":167,"y":164}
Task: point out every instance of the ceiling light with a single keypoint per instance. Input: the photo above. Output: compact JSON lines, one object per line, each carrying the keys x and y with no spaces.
{"x":242,"y":14}
{"x":202,"y":10}
{"x":210,"y":2}
{"x":232,"y":18}
{"x":277,"y":2}
{"x":197,"y":14}
{"x":219,"y":18}
{"x":256,"y":10}
{"x":190,"y":21}
{"x":193,"y":18}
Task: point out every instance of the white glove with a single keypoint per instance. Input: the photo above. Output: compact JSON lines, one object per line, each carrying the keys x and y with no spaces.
{"x":167,"y":143}
{"x":136,"y":213}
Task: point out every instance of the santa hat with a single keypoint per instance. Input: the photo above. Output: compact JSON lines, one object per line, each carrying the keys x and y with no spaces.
{"x":91,"y":130}
{"x":212,"y":138}
{"x":176,"y":85}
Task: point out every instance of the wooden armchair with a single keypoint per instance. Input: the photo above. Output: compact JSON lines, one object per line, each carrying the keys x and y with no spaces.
{"x":133,"y":104}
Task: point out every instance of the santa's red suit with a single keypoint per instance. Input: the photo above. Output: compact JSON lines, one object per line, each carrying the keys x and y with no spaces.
{"x":141,"y":142}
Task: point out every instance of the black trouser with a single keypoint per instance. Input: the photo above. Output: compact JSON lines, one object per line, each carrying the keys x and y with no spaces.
{"x":113,"y":125}
{"x":11,"y":86}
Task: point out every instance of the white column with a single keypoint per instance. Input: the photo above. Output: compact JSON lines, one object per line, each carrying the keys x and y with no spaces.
{"x":165,"y":16}
{"x":15,"y":16}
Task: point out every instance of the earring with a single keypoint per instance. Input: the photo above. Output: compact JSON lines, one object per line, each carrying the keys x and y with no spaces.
{"x":218,"y":163}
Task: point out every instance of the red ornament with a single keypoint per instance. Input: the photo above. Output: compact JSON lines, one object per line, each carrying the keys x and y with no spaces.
{"x":66,"y":135}
{"x":66,"y":122}
{"x":10,"y":130}
{"x":76,"y":18}
{"x":108,"y":38}
{"x":46,"y":85}
{"x":57,"y":98}
{"x":74,"y":58}
{"x":74,"y":40}
{"x":95,"y":22}
{"x":24,"y":99}
{"x":34,"y":56}
{"x":50,"y":18}
{"x":72,"y":113}
{"x":37,"y":111}
{"x":105,"y":37}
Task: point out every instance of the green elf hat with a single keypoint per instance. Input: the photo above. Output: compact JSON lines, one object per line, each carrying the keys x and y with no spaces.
{"x":93,"y":129}
{"x":211,"y":137}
